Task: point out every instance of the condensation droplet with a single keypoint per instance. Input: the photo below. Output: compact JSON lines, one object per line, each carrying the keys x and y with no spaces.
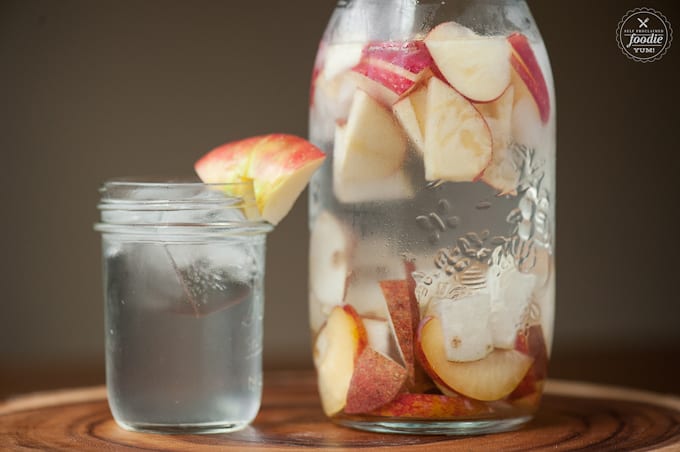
{"x":434,"y":237}
{"x":483,"y":205}
{"x":443,"y":206}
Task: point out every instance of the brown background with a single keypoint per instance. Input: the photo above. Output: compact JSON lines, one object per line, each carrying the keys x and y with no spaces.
{"x":91,"y":90}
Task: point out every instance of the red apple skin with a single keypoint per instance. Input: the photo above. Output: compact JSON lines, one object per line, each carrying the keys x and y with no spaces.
{"x":410,"y":55}
{"x":362,"y":342}
{"x":531,"y":342}
{"x":376,"y":381}
{"x":523,"y":60}
{"x":226,"y":163}
{"x":432,"y":406}
{"x":394,"y":82}
{"x":424,"y":363}
{"x":404,"y":312}
{"x":278,"y":154}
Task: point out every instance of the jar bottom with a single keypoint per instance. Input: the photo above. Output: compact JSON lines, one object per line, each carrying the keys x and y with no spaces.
{"x":184,"y":429}
{"x":427,"y":427}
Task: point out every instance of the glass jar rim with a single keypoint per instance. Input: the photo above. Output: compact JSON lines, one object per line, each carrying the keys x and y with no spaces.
{"x":154,"y":206}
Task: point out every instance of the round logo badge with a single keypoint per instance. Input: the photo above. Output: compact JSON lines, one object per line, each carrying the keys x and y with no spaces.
{"x":644,"y":35}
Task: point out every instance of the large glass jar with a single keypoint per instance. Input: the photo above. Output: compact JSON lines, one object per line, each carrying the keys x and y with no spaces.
{"x":432,"y":268}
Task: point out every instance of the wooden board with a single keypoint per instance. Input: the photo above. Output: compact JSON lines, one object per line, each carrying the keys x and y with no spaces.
{"x":573,"y":416}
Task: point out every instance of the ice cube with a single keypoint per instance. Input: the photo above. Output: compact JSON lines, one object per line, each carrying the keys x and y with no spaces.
{"x":510,"y":297}
{"x":465,"y":324}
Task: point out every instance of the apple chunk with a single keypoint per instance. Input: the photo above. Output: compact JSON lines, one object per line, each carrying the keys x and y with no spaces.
{"x":476,"y":66}
{"x":487,"y":379}
{"x":404,"y":315}
{"x":336,"y":349}
{"x":432,"y":406}
{"x":524,"y":62}
{"x":372,"y":145}
{"x":279,"y":165}
{"x":458,"y":144}
{"x":388,"y":70}
{"x":410,"y":111}
{"x":375,"y":382}
{"x":501,"y":173}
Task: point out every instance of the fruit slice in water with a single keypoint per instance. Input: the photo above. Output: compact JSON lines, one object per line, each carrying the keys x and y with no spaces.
{"x":487,"y":379}
{"x":372,"y":145}
{"x":376,"y":381}
{"x":458,"y":143}
{"x":478,"y":67}
{"x":279,"y":165}
{"x":337,"y":347}
{"x":431,"y":406}
{"x":404,"y":315}
{"x":502,"y":173}
{"x":525,"y":64}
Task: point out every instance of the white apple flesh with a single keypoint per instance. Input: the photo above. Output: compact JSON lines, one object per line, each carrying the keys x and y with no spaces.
{"x":488,"y":379}
{"x":371,"y":145}
{"x":476,"y":66}
{"x":458,"y":142}
{"x":336,"y":349}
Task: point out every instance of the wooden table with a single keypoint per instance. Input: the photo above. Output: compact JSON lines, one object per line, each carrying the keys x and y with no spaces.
{"x":573,"y":416}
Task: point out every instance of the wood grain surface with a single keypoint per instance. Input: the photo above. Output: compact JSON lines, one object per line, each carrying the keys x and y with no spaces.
{"x":574,"y":416}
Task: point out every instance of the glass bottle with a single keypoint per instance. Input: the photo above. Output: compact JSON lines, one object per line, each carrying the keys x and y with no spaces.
{"x":432,"y":266}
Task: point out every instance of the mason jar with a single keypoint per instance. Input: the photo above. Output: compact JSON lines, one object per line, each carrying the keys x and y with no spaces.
{"x":432,"y":248}
{"x":183,"y":268}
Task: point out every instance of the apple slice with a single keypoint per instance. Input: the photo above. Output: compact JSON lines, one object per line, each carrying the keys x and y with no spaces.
{"x":404,"y":315}
{"x":371,"y":145}
{"x":458,"y":143}
{"x":376,"y":381}
{"x":488,"y":379}
{"x":410,"y":111}
{"x":524,"y":62}
{"x":532,"y":343}
{"x":331,"y":103}
{"x":336,"y":349}
{"x":227,"y":163}
{"x":410,"y":58}
{"x":279,"y":165}
{"x":465,"y":326}
{"x":476,"y":66}
{"x":329,"y":253}
{"x":348,"y":189}
{"x":387,"y":70}
{"x":432,"y":406}
{"x":527,"y":127}
{"x":449,"y":30}
{"x":501,"y":174}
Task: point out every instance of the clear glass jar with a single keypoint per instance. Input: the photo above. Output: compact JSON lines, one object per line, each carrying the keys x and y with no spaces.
{"x":183,"y":288}
{"x":432,"y":267}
